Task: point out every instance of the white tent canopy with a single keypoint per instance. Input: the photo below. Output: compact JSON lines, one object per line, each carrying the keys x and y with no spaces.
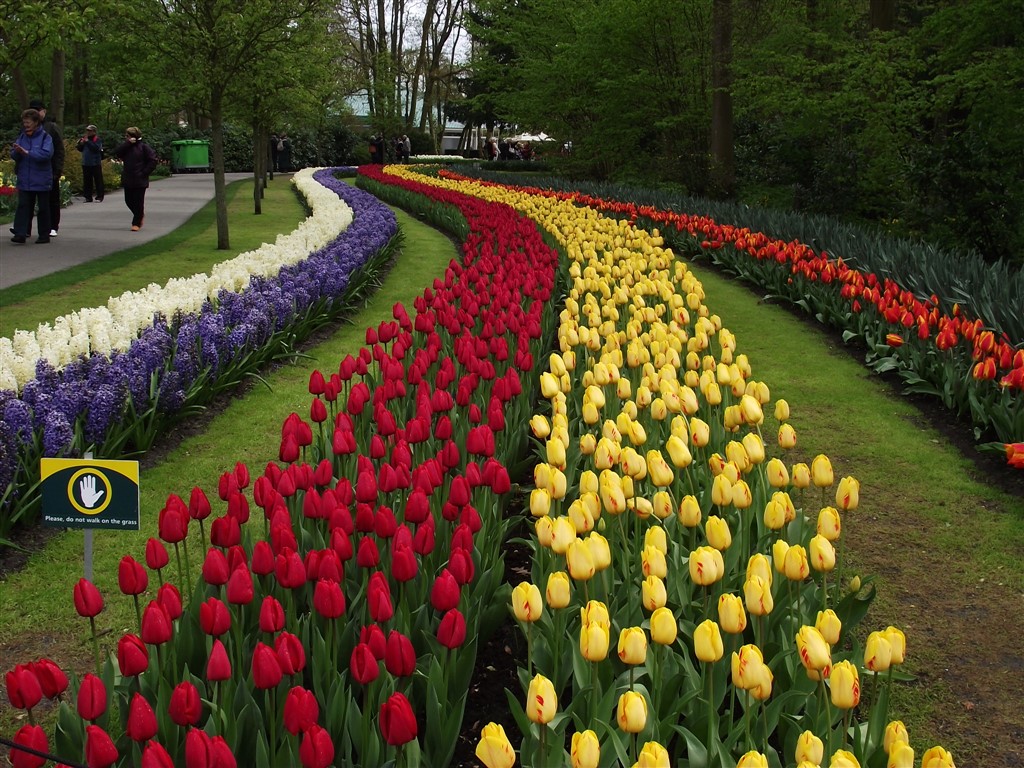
{"x":529,"y":137}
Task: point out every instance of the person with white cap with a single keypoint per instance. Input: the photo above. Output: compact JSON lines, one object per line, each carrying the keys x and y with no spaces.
{"x":91,"y":147}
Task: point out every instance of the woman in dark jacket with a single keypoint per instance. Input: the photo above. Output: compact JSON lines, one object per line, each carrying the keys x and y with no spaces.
{"x":32,"y":153}
{"x":139,"y":162}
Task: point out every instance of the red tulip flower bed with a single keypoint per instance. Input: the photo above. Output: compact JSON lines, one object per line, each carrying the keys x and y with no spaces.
{"x":343,"y":591}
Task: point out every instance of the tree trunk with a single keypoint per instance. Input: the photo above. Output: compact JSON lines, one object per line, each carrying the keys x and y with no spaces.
{"x":217,"y":131}
{"x":882,"y":15}
{"x":56,"y":105}
{"x":723,"y":161}
{"x":19,"y":87}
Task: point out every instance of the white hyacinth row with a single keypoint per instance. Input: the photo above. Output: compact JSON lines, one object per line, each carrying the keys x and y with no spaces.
{"x":103,"y":330}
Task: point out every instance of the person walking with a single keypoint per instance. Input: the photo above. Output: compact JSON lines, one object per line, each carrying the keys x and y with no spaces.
{"x":284,"y":153}
{"x":32,"y":153}
{"x":139,"y":162}
{"x":91,"y":147}
{"x":57,"y":163}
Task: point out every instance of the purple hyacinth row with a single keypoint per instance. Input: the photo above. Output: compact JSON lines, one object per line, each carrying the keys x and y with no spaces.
{"x":177,"y":354}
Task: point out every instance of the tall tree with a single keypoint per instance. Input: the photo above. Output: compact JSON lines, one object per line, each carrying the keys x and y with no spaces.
{"x":722,"y":151}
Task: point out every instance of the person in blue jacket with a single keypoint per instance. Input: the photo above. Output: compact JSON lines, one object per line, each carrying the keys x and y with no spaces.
{"x":91,"y":147}
{"x":32,"y":153}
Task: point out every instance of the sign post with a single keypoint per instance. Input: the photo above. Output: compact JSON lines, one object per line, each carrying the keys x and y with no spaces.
{"x":90,"y":493}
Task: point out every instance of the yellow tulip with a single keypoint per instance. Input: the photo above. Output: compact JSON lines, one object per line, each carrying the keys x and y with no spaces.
{"x":778,"y":475}
{"x":742,"y":497}
{"x":815,"y":654}
{"x":828,"y":623}
{"x":637,"y":433}
{"x":653,"y":755}
{"x":783,"y":499}
{"x":782,"y":414}
{"x":563,"y":533}
{"x":848,"y":494}
{"x":659,"y":470}
{"x":746,"y":667}
{"x":787,"y":436}
{"x":797,"y":568}
{"x":752,"y":759}
{"x":585,"y":751}
{"x":731,"y":616}
{"x":591,"y":414}
{"x":809,"y":748}
{"x":589,"y":482}
{"x":717,"y":463}
{"x":752,"y":412}
{"x":774,"y":515}
{"x":707,"y":642}
{"x":555,"y":450}
{"x":937,"y":757}
{"x":540,"y":502}
{"x":688,"y":400}
{"x":581,"y":516}
{"x":624,"y":389}
{"x":821,"y":471}
{"x":632,"y":648}
{"x":760,"y":565}
{"x":678,"y":451}
{"x":842,"y":758}
{"x":594,"y":642}
{"x":664,"y":627}
{"x":757,"y":595}
{"x":540,"y":427}
{"x":822,"y":554}
{"x":845,"y":684}
{"x":526,"y":603}
{"x":779,"y":551}
{"x":541,"y":701}
{"x":555,"y":364}
{"x":732,"y":418}
{"x":898,"y":644}
{"x":736,"y":452}
{"x":900,"y":756}
{"x":558,"y":590}
{"x":877,"y":652}
{"x":663,"y":506}
{"x":595,"y":612}
{"x":895,"y":731}
{"x":559,"y":483}
{"x":653,"y":593}
{"x":718,"y":533}
{"x":829,"y":523}
{"x":549,"y":385}
{"x":653,"y":563}
{"x":631,"y":713}
{"x":579,"y":560}
{"x":700,"y":432}
{"x":607,"y":453}
{"x":689,"y":512}
{"x":801,"y":476}
{"x":655,"y":536}
{"x":613,"y":498}
{"x":545,"y":529}
{"x":494,"y":749}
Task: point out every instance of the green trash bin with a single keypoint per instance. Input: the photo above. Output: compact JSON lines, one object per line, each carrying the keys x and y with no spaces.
{"x":190,"y":155}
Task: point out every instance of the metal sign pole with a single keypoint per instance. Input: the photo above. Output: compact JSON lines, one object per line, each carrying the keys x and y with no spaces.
{"x":88,"y":539}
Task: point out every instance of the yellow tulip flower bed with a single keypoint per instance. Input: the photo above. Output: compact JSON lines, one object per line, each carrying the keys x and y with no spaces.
{"x":688,"y":604}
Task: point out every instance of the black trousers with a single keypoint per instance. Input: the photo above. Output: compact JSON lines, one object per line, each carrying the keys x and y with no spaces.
{"x":26,"y":207}
{"x":92,"y":176}
{"x":54,"y":206}
{"x":135,"y":199}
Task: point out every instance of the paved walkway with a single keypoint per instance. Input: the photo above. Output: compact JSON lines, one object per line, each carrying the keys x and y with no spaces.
{"x":91,"y":230}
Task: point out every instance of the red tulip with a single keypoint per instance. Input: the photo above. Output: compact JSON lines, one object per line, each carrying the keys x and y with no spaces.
{"x":214,"y":617}
{"x":92,"y":697}
{"x":221,"y":754}
{"x":423,"y":541}
{"x":452,"y":630}
{"x":399,"y":655}
{"x":156,"y":554}
{"x":132,"y":656}
{"x":317,"y":749}
{"x":23,"y":688}
{"x":141,"y":724}
{"x":185,"y":706}
{"x":266,"y":669}
{"x":289,"y":450}
{"x":199,"y":749}
{"x":397,"y":720}
{"x":480,"y":441}
{"x":225,"y":531}
{"x":173,"y":521}
{"x":384,"y":523}
{"x":262,"y":558}
{"x":378,"y":598}
{"x":291,"y":656}
{"x":367,"y":556}
{"x":131,"y":576}
{"x":324,"y":473}
{"x":373,"y":636}
{"x":100,"y":751}
{"x":199,"y":504}
{"x":301,"y":710}
{"x":156,"y":624}
{"x":271,"y":615}
{"x":51,"y":678}
{"x":241,"y":475}
{"x":363,"y":664}
{"x":317,"y":411}
{"x":445,"y":592}
{"x":155,"y":756}
{"x":328,"y":599}
{"x":460,"y":494}
{"x":33,"y":737}
{"x":290,"y":570}
{"x":240,"y":588}
{"x":88,"y":600}
{"x":218,"y":667}
{"x":170,"y":598}
{"x":317,"y":385}
{"x":461,"y":565}
{"x":238,"y":507}
{"x":404,"y":564}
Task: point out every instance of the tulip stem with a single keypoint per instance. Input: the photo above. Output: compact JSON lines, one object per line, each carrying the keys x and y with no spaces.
{"x":188,"y":568}
{"x":709,"y":676}
{"x":95,"y":643}
{"x":138,"y":612}
{"x":846,"y":726}
{"x":177,"y":556}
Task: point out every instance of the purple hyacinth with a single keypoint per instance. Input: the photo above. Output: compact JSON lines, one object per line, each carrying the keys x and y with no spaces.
{"x":57,"y":435}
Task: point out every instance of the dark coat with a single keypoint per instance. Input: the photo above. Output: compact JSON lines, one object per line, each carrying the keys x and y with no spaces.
{"x":34,"y":170}
{"x":58,"y":147}
{"x":91,"y":149}
{"x":139,"y":161}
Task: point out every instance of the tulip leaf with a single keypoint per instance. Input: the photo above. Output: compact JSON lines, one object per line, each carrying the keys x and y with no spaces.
{"x":697,"y":752}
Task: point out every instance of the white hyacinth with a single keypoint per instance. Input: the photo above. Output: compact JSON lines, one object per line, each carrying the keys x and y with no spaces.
{"x":102,"y":330}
